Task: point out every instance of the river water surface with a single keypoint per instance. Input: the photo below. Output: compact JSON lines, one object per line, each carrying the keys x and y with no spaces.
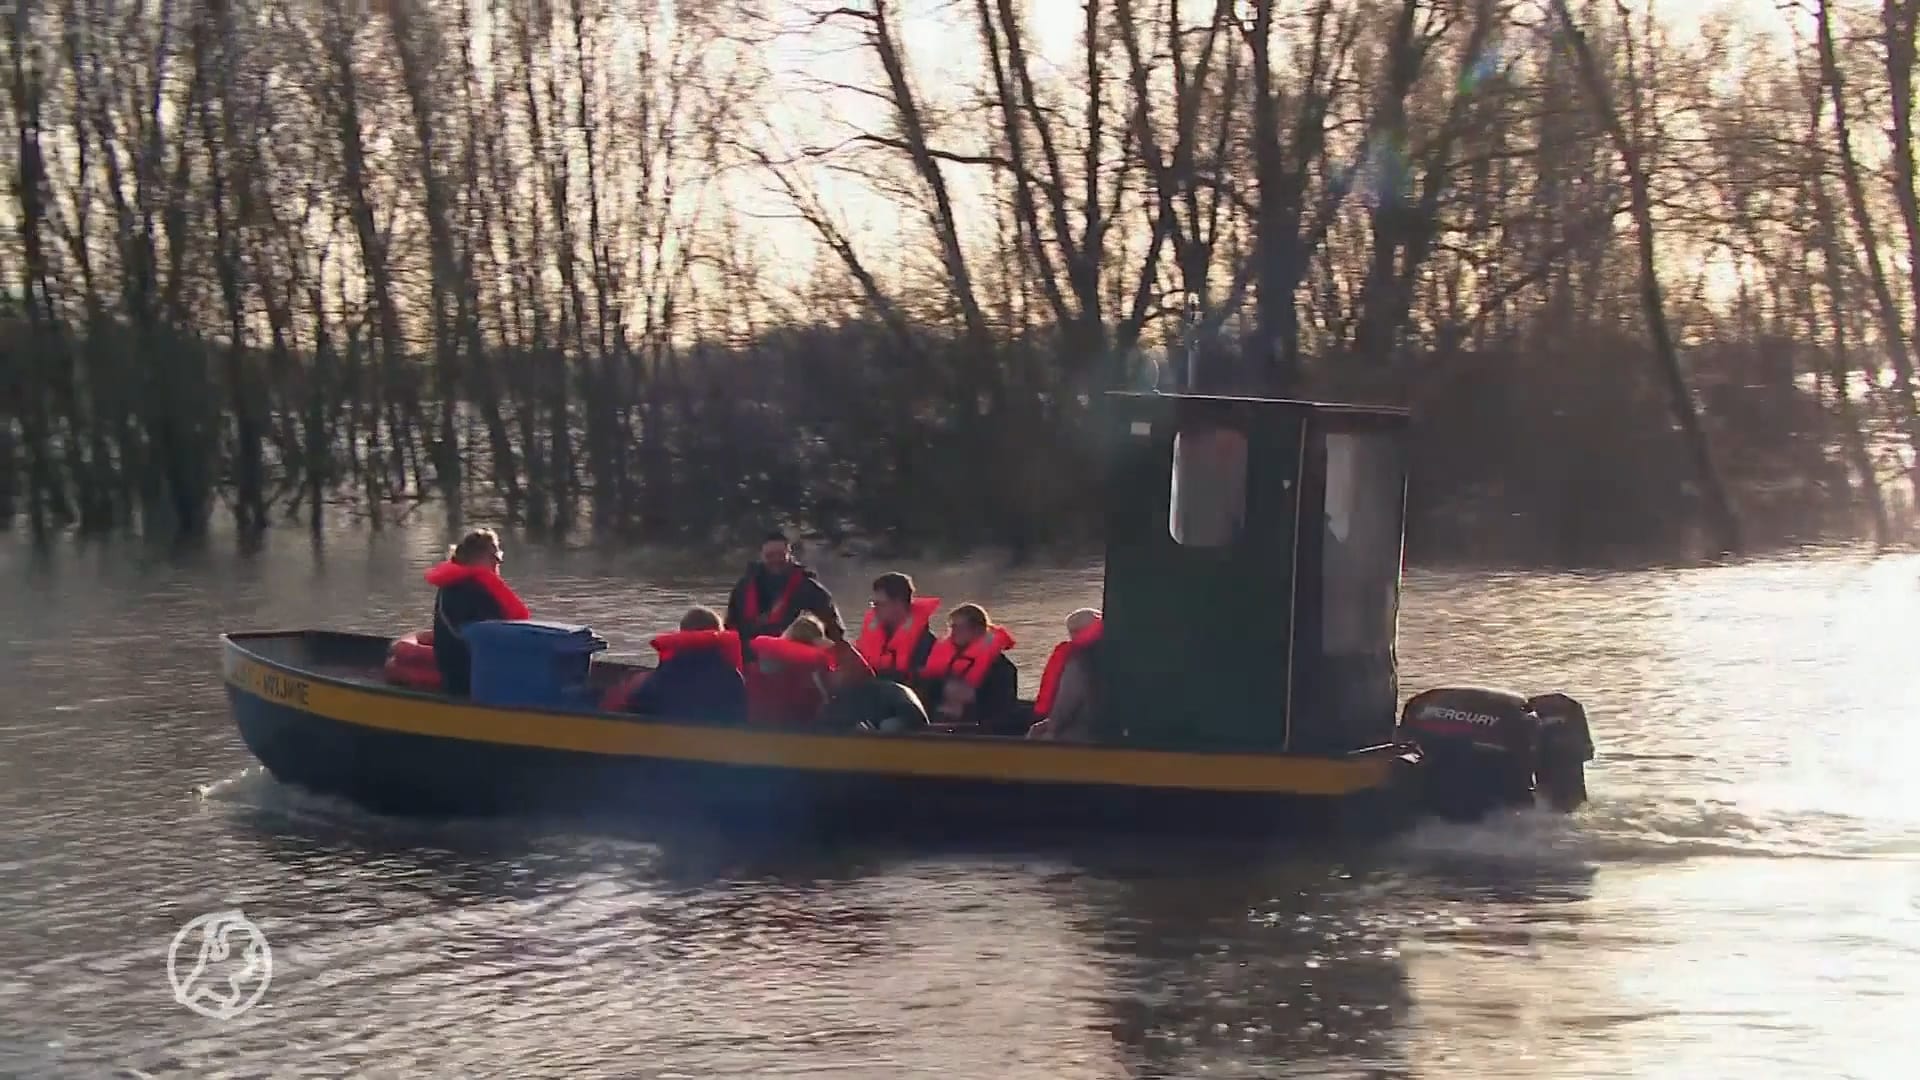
{"x":1741,"y":899}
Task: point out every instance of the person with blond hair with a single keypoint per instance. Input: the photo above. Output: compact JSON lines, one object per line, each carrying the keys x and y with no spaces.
{"x":1065,"y":702}
{"x":787,"y":675}
{"x":807,"y":629}
{"x":469,"y":589}
{"x":969,"y":680}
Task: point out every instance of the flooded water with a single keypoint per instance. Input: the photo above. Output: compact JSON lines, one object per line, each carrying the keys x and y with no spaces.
{"x":1741,"y":899}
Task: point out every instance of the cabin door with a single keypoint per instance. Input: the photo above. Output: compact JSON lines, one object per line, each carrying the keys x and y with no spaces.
{"x":1348,"y":591}
{"x":1200,"y":564}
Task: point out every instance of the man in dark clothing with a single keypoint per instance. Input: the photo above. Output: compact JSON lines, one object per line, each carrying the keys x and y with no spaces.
{"x":470,"y":591}
{"x":774,"y":592}
{"x":695,"y":683}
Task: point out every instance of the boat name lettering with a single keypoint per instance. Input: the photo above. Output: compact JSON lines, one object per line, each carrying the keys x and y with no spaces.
{"x":274,"y":685}
{"x":1462,"y":716}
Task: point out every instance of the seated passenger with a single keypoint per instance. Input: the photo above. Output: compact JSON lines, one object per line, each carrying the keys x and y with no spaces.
{"x":786,"y":680}
{"x":874,"y":704}
{"x":969,"y":679}
{"x":896,"y":637}
{"x":470,"y":591}
{"x":1065,"y":702}
{"x":858,"y":700}
{"x":699,"y":674}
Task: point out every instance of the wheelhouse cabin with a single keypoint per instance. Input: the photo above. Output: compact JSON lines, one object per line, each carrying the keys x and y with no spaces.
{"x":1254,"y":554}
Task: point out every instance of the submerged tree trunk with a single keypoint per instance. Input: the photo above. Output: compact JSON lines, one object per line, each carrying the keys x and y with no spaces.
{"x":1839,"y":362}
{"x":1723,"y":522}
{"x":1892,"y":327}
{"x":1900,"y":20}
{"x":415,"y":78}
{"x":374,"y":257}
{"x":249,"y":504}
{"x":44,"y":499}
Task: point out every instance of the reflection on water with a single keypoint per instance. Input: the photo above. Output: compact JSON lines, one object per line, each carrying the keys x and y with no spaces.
{"x":1740,"y":899}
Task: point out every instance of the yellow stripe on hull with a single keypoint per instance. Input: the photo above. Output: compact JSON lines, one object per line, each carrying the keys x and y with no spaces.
{"x":959,"y":758}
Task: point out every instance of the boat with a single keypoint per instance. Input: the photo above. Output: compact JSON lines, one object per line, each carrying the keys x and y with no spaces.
{"x":1254,"y":555}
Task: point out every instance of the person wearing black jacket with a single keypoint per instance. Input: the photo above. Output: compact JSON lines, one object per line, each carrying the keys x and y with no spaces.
{"x":695,"y":683}
{"x":777,"y":590}
{"x":470,"y":591}
{"x":970,"y":679}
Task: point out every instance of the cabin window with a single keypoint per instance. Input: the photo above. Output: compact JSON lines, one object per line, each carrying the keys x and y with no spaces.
{"x":1208,"y":507}
{"x":1366,"y":486}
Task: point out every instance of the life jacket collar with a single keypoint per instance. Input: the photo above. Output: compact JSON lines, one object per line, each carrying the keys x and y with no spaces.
{"x":971,"y":664}
{"x":451,"y":573}
{"x":726,"y":642}
{"x":788,"y":652}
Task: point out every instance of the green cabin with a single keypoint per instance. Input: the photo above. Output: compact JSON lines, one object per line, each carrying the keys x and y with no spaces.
{"x":1254,"y":553}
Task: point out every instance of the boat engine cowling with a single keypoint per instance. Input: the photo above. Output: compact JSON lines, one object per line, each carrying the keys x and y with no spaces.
{"x":1482,"y":749}
{"x":1562,"y":746}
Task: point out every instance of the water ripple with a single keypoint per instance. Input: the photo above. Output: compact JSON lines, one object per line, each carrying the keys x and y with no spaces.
{"x":1742,"y":897}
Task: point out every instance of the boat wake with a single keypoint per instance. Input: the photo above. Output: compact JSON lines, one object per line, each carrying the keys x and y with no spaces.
{"x":254,"y":793}
{"x":1651,"y":829}
{"x":254,"y":789}
{"x":1632,"y":828}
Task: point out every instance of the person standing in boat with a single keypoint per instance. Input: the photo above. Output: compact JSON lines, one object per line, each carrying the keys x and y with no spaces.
{"x":775,"y":591}
{"x":969,"y":678}
{"x":470,"y":590}
{"x":896,"y":637}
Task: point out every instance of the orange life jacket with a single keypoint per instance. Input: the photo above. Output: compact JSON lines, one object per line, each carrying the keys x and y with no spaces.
{"x":969,"y":665}
{"x":750,"y":602}
{"x":1063,"y":653}
{"x":893,"y":654}
{"x":793,"y":653}
{"x":728,"y":642}
{"x":794,"y":695}
{"x":453,"y":573}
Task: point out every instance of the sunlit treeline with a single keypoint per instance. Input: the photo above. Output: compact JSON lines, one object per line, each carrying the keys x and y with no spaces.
{"x":676,"y":268}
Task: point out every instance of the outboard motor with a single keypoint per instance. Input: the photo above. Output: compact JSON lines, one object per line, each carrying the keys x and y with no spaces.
{"x":1476,"y":749}
{"x":1562,"y":746}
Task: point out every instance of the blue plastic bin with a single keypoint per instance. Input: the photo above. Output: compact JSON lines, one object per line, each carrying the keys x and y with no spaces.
{"x":531,"y":664}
